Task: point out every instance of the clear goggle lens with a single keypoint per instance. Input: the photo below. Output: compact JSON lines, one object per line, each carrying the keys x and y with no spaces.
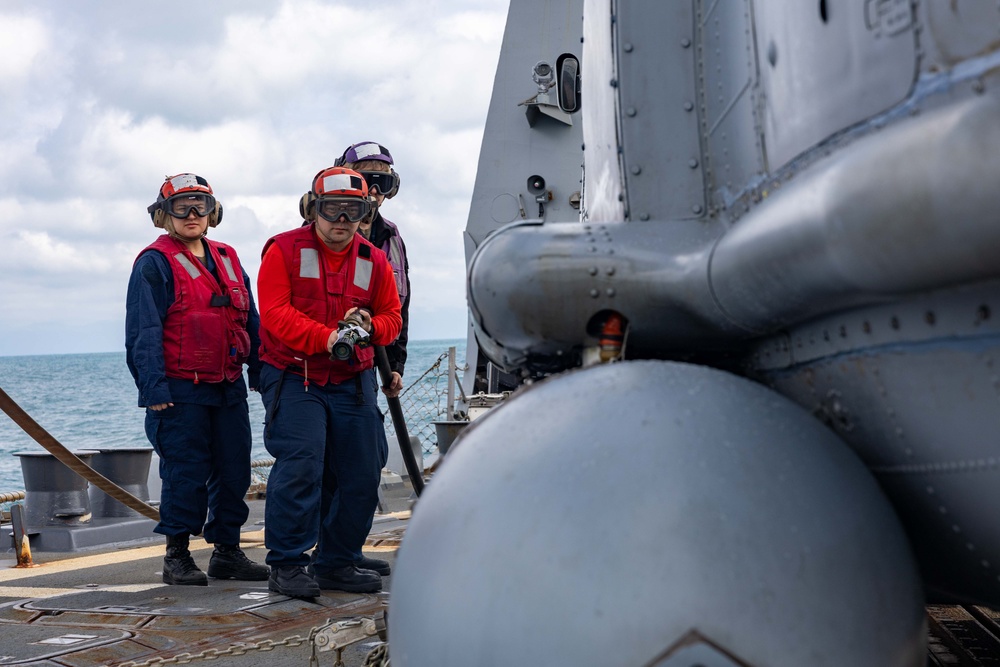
{"x":352,"y":208}
{"x":386,"y":182}
{"x":180,"y":206}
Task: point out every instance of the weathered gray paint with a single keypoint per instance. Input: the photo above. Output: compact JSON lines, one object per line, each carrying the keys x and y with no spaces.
{"x":653,"y":500}
{"x":806,"y":195}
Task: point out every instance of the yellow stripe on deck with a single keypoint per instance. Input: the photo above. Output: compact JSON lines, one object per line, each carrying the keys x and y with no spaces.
{"x":24,"y":592}
{"x":254,"y":538}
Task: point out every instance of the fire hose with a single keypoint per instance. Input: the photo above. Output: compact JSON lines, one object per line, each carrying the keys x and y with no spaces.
{"x":399,"y":423}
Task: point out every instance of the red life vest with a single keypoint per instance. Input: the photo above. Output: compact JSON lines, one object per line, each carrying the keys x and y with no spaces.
{"x":324,"y":297}
{"x":205,"y":334}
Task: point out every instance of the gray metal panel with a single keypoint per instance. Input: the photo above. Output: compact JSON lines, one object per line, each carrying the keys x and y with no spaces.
{"x":956,"y":30}
{"x":912,"y":386}
{"x":512,"y":149}
{"x":728,"y":73}
{"x":599,"y":517}
{"x":904,"y":209}
{"x":656,"y":51}
{"x":826,"y":66}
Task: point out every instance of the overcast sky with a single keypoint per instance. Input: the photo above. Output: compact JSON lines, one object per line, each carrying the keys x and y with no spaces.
{"x":100,"y":100}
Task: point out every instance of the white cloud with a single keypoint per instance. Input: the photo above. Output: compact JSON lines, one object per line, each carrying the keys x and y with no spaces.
{"x":22,"y":40}
{"x":99,"y":101}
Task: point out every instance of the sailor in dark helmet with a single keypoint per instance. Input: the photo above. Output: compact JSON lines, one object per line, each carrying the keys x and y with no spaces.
{"x":373,"y":161}
{"x":190,"y":328}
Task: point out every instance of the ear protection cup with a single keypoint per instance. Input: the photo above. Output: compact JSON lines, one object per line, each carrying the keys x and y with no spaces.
{"x":159,"y":218}
{"x":307,"y":206}
{"x":370,"y":218}
{"x":215,"y":217}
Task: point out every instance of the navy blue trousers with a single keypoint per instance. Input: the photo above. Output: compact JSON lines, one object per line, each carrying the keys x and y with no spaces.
{"x":323,"y":488}
{"x":204,"y":469}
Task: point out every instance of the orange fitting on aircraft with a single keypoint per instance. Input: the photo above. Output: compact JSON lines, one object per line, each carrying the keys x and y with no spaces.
{"x":612,"y":337}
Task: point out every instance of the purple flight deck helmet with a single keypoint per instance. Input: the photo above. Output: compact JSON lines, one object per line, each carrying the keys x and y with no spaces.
{"x":387,"y":183}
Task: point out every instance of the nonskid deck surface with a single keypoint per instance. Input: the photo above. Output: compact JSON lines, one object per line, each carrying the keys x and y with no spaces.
{"x":963,"y":636}
{"x":111,"y":608}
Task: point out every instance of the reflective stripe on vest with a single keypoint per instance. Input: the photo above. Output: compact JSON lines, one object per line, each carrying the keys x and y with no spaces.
{"x":363,"y":273}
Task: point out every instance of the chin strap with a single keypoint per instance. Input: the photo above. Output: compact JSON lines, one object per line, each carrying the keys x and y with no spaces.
{"x":172,"y":233}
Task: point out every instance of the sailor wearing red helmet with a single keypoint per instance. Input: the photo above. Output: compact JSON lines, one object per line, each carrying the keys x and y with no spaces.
{"x":190,"y":327}
{"x":318,"y":284}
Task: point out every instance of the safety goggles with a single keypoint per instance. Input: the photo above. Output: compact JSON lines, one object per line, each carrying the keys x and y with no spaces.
{"x":352,"y":208}
{"x":386,"y":182}
{"x":180,"y":206}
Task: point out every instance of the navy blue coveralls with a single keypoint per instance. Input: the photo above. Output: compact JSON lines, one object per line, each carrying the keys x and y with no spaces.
{"x":204,"y":441}
{"x":324,"y":465}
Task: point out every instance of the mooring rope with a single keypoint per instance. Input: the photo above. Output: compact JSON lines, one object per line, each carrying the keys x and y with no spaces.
{"x":71,"y":460}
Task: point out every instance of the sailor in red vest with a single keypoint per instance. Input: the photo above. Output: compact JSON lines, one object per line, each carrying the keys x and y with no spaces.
{"x":326,"y":296}
{"x":190,"y":327}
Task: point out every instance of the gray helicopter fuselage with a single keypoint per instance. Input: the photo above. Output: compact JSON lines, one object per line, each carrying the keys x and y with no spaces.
{"x":801,"y":194}
{"x":811,"y":188}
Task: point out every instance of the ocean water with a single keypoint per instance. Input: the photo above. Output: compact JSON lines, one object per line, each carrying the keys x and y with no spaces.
{"x":87,"y":401}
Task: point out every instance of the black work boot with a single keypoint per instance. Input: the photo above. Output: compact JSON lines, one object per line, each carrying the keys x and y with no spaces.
{"x":373,"y":564}
{"x":348,"y":578}
{"x":293,"y":581}
{"x":229,"y":562}
{"x":178,"y":566}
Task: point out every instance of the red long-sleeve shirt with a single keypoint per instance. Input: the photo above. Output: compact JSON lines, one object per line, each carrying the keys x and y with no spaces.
{"x":299,"y":331}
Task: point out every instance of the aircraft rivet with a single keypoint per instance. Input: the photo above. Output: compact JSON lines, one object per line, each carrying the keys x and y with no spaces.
{"x":686,"y":42}
{"x":610,"y":291}
{"x":593,"y":271}
{"x":636,"y":170}
{"x":628,"y":47}
{"x":630,"y":111}
{"x":693,"y":163}
{"x":978,"y":86}
{"x":644,"y":216}
{"x":696,"y":209}
{"x":688,"y":106}
{"x":610,"y":270}
{"x":594,"y":293}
